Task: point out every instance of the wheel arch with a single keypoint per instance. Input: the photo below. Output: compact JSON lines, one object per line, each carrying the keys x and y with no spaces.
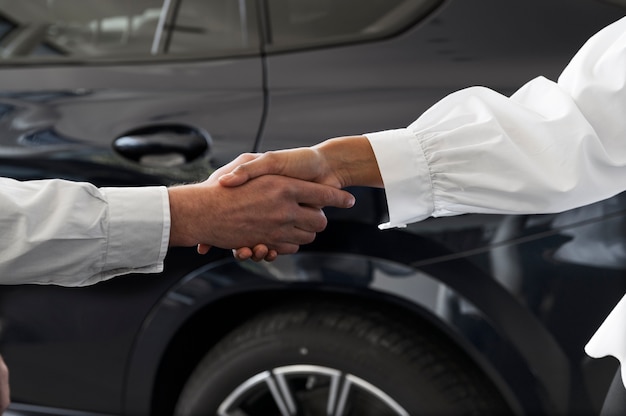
{"x":215,"y":294}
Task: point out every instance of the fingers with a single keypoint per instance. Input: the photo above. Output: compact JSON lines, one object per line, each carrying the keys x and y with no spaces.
{"x":245,"y":172}
{"x":296,"y":223}
{"x":271,"y":215}
{"x":229,"y":167}
{"x":317,"y":195}
{"x":297,"y":163}
{"x":203,"y":248}
{"x":271,"y":255}
{"x":286,"y":248}
{"x":258,"y":253}
{"x":243,"y":253}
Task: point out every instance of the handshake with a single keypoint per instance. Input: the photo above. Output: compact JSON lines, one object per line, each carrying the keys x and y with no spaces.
{"x":262,"y":205}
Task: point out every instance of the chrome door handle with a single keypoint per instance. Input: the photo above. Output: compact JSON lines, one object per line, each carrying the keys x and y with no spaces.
{"x":167,"y":145}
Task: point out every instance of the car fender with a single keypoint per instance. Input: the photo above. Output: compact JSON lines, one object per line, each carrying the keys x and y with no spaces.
{"x":478,"y":314}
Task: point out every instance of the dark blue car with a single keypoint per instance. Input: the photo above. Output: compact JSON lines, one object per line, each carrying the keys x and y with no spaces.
{"x":468,"y":315}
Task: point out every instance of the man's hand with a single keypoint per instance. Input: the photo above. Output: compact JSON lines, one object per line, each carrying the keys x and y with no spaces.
{"x":279,"y":212}
{"x":339,"y":162}
{"x":5,"y":395}
{"x":302,"y":163}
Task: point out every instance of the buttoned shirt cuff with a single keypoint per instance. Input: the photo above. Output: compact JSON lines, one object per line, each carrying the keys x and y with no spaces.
{"x":138,"y":230}
{"x":405,"y":175}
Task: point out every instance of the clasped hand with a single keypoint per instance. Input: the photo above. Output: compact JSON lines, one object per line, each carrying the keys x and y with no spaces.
{"x":335,"y":164}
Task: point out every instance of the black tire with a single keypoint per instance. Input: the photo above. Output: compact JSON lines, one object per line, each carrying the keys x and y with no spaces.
{"x":414,"y":367}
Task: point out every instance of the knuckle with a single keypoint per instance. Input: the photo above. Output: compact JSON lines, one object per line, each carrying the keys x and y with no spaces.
{"x":275,"y":160}
{"x":310,"y":237}
{"x":321,"y":222}
{"x":270,"y":156}
{"x":329,"y":196}
{"x":246,"y":156}
{"x":241,"y":169}
{"x":282,"y":189}
{"x":287,"y":217}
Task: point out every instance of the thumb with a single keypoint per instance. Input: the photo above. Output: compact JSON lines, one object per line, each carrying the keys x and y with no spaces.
{"x":247,"y":171}
{"x":235,"y":178}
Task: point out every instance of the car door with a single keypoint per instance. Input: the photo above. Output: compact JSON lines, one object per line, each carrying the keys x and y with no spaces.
{"x":147,"y":91}
{"x":352,"y":67}
{"x":124,"y":93}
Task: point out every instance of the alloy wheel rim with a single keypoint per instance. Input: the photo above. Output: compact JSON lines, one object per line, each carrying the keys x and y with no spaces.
{"x":298,"y":390}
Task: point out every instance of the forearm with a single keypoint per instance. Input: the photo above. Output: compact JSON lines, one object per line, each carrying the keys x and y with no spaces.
{"x":352,"y":160}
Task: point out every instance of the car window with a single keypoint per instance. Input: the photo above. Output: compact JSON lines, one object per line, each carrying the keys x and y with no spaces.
{"x":301,"y":23}
{"x":36,"y":30}
{"x":214,"y":25}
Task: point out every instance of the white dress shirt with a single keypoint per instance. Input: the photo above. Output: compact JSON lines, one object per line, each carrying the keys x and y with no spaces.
{"x":74,"y":234}
{"x":549,"y":147}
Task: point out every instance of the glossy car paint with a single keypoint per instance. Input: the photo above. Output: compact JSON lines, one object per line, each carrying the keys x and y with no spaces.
{"x":518,"y":294}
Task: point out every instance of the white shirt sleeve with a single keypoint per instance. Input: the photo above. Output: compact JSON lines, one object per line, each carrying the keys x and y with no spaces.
{"x":549,"y":147}
{"x":74,"y":234}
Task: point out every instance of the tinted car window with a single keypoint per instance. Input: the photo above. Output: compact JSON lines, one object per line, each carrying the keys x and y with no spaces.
{"x":212,"y":26}
{"x":296,"y":23}
{"x":122,"y":29}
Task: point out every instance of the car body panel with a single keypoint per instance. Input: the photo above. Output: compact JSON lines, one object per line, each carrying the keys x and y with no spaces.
{"x":61,"y":117}
{"x":321,"y":275}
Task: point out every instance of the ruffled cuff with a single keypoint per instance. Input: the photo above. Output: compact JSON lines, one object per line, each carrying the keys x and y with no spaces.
{"x":405,"y":175}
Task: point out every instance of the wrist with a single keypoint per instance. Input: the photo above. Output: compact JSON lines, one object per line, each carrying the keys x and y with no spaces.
{"x":351,"y":160}
{"x":181,"y":210}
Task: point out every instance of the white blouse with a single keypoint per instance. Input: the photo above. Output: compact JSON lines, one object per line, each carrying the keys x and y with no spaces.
{"x":550,"y":147}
